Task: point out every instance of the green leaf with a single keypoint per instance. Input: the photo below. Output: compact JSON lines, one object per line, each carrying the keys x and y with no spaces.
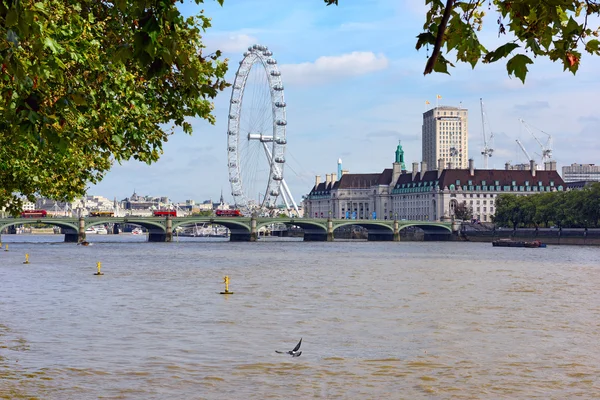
{"x":517,"y":66}
{"x":500,"y":52}
{"x":12,"y":17}
{"x":51,"y":44}
{"x":593,"y":46}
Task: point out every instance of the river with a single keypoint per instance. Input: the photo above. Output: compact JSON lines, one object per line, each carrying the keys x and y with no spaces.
{"x":379,"y":320}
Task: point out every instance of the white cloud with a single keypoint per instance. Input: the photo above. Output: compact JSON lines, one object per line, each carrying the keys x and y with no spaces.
{"x":331,"y":67}
{"x":230,"y":42}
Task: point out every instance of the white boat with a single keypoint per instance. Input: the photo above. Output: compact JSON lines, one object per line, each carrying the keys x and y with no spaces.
{"x":98,"y":230}
{"x":137,"y":231}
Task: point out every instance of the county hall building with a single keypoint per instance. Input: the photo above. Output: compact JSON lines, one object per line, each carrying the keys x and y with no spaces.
{"x":424,"y":193}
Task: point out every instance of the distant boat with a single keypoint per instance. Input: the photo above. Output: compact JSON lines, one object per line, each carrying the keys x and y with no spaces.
{"x":517,"y":243}
{"x":100,"y":230}
{"x":137,"y":231}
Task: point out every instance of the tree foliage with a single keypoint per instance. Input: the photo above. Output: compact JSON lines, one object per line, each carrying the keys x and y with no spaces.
{"x":557,"y":29}
{"x":463,"y":211}
{"x":573,"y":209}
{"x":86,"y":83}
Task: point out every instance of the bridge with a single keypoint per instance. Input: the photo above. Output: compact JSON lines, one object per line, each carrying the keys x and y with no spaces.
{"x":160,"y":229}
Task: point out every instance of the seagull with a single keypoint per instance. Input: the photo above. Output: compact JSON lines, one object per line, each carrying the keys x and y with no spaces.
{"x":294,"y":352}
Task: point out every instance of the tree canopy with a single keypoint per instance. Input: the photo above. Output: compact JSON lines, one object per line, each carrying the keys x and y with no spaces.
{"x":572,"y":209}
{"x":86,"y":83}
{"x":557,"y":29}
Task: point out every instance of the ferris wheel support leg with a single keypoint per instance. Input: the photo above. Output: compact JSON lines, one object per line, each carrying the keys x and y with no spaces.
{"x":286,"y":189}
{"x":285,"y":198}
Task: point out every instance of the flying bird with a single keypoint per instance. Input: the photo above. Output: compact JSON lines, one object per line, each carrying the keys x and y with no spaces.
{"x":294,"y":352}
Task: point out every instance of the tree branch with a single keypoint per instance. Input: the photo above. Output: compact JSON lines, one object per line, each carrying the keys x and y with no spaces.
{"x":439,"y":38}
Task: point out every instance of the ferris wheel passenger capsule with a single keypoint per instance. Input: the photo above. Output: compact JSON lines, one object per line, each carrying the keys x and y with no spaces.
{"x":280,"y":160}
{"x":275,"y":73}
{"x":278,"y":87}
{"x":280,"y":104}
{"x":271,"y":61}
{"x":281,"y":141}
{"x":281,"y":122}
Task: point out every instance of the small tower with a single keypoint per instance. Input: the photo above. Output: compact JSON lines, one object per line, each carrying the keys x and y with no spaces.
{"x":339,"y":174}
{"x":398,"y":165}
{"x":400,"y":156}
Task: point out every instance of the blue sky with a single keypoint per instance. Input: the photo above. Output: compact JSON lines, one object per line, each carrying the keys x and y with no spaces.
{"x":354,"y":86}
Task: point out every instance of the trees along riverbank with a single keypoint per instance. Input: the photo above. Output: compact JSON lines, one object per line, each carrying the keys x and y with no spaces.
{"x":572,"y":209}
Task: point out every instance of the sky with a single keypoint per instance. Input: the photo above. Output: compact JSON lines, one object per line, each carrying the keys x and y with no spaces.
{"x":354,"y":88}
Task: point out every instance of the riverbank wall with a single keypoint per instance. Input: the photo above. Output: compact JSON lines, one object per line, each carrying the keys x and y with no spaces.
{"x":555,"y":236}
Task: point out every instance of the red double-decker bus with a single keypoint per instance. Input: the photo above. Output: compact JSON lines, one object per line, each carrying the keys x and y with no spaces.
{"x":34,"y":214}
{"x":228,"y":213}
{"x":164,"y":213}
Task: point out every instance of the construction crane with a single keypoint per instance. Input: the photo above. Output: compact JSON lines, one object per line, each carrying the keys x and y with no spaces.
{"x":546,"y":148}
{"x":487,"y":149}
{"x":524,"y":151}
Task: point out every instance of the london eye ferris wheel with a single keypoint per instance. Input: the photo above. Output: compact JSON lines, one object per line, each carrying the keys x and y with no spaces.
{"x":256,"y":135}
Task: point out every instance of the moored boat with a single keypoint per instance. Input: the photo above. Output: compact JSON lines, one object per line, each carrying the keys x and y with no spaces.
{"x":517,"y":243}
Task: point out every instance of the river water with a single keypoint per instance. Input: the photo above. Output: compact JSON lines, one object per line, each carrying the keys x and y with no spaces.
{"x":410,"y":320}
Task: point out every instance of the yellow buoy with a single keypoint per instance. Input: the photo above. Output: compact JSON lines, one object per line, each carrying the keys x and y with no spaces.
{"x":99,"y":265}
{"x":226,"y":282}
{"x":26,"y":259}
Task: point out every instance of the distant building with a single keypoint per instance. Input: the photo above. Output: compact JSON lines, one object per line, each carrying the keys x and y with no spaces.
{"x":578,"y":185}
{"x":581,"y":172}
{"x":445,"y":135}
{"x":424,"y":195}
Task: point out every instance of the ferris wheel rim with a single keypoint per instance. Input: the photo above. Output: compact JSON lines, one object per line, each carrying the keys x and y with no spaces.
{"x":257,"y":55}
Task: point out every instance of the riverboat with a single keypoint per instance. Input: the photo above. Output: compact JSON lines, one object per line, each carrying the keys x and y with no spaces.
{"x":517,"y":243}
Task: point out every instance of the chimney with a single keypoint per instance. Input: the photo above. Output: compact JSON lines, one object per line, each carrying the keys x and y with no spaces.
{"x":415,"y":170}
{"x":333,"y":178}
{"x":440,"y":167}
{"x":532,"y":167}
{"x":327,"y":179}
{"x":423,"y":168}
{"x":317,"y":180}
{"x":449,"y":165}
{"x":552,"y":165}
{"x":344,"y":172}
{"x":507,"y":166}
{"x":396,"y":171}
{"x":471,"y":167}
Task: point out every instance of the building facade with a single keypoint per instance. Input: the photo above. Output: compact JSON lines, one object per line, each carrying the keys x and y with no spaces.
{"x":445,"y":135}
{"x":581,"y":172}
{"x":423,"y":194}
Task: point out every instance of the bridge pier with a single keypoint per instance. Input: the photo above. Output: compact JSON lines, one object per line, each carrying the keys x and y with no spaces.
{"x":253,"y":231}
{"x":81,"y":233}
{"x":329,"y":229}
{"x":169,"y":229}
